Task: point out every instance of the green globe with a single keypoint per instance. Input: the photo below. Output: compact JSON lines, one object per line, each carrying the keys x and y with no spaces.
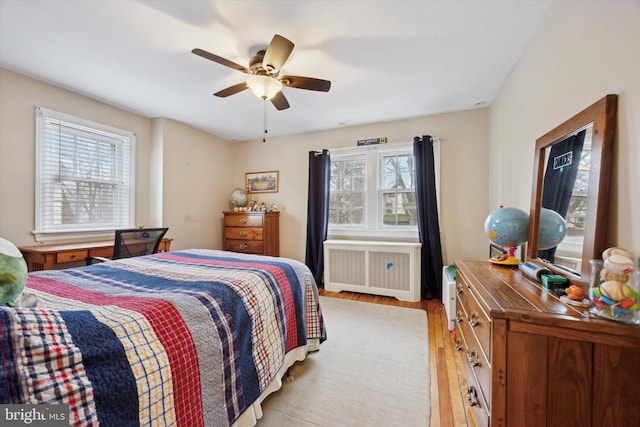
{"x":238,"y":198}
{"x":13,"y":272}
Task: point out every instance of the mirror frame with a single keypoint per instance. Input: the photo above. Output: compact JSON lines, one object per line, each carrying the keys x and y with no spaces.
{"x":603,"y":115}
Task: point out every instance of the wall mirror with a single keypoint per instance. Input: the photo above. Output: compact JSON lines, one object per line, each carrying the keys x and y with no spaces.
{"x":582,"y":149}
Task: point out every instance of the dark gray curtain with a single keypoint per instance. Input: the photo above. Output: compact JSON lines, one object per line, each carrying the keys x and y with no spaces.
{"x":560,"y":178}
{"x":428,"y":226}
{"x":317,"y":212}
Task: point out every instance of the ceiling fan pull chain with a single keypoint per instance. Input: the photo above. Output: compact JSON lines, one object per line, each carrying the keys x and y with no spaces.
{"x":264,"y":136}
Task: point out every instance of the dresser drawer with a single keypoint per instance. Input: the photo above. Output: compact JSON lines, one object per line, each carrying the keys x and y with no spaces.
{"x":463,"y":293}
{"x":243,"y":220}
{"x":243,"y":233}
{"x":473,"y":393}
{"x":477,"y":360}
{"x":246,"y":246}
{"x":106,"y":252}
{"x":479,"y":321}
{"x":71,"y":256}
{"x":468,"y":305}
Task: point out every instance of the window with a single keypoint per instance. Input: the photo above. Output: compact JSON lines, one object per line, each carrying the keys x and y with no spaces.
{"x":85,"y":177}
{"x":347,"y":191}
{"x":372,"y":192}
{"x":577,"y":210}
{"x":398,"y":190}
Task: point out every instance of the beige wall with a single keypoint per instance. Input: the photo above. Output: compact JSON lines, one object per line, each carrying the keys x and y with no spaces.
{"x":197,"y":182}
{"x":182,"y":174}
{"x":582,"y":51}
{"x":19,"y":95}
{"x":464,"y":175}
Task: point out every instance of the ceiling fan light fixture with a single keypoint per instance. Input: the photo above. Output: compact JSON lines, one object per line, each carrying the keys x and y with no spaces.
{"x":264,"y":87}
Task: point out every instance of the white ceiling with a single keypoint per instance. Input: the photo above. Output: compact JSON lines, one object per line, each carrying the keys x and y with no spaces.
{"x":386,"y":59}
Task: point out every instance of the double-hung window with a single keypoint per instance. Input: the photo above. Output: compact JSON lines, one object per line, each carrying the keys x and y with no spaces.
{"x":397,"y":190}
{"x":372,"y":192}
{"x":348,"y":191}
{"x":84,"y":177}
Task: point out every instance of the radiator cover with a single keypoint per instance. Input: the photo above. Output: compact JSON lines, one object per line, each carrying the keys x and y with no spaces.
{"x":378,"y":268}
{"x":449,"y":296}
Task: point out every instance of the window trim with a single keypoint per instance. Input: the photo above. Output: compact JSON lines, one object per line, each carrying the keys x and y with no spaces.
{"x":372,"y":228}
{"x":77,"y":233}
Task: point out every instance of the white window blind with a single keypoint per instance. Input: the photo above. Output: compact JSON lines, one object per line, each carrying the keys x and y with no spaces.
{"x":85,"y":176}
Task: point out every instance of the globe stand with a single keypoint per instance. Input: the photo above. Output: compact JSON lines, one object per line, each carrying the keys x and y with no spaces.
{"x":509,"y":259}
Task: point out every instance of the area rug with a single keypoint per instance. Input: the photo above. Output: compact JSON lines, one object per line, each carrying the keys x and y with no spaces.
{"x":373,"y":370}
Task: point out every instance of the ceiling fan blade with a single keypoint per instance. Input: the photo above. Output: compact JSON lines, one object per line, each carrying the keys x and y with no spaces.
{"x":308,"y":83}
{"x":231,"y":90}
{"x":277,"y":53}
{"x":279,"y":101}
{"x":222,"y":61}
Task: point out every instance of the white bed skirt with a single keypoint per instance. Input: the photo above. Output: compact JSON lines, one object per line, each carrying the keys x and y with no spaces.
{"x":253,"y":413}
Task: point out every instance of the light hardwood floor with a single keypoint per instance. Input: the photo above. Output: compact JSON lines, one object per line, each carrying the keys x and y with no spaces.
{"x":448,"y":406}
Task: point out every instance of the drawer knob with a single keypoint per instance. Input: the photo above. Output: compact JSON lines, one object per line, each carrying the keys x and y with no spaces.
{"x":474,"y":358}
{"x":243,"y":220}
{"x":472,"y":396}
{"x":244,"y":246}
{"x":459,"y":344}
{"x":243,"y":234}
{"x":459,"y":316}
{"x":459,"y":289}
{"x":475,"y":319}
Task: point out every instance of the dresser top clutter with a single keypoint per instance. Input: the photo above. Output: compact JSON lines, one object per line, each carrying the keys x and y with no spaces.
{"x":508,"y":294}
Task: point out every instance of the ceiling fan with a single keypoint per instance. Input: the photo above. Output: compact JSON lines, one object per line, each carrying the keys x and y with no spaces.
{"x":264,"y":69}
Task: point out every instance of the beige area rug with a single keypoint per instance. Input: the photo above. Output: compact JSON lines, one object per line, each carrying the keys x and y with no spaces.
{"x":373,"y":370}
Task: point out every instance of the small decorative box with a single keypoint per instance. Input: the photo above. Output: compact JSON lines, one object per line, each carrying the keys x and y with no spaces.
{"x":553,"y":281}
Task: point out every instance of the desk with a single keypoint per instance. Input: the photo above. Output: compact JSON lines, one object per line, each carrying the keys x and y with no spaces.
{"x":45,"y":257}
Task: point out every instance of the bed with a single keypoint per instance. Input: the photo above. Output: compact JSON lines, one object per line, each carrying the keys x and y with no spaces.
{"x":186,"y":338}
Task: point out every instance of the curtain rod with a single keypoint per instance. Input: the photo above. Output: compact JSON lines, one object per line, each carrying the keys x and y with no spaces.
{"x":435,"y":139}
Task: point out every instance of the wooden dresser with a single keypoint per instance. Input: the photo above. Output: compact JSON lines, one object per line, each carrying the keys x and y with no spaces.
{"x":252,"y":232}
{"x":531,"y":360}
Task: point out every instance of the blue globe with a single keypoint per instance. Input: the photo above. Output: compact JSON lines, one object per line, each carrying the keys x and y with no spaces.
{"x":507,"y":226}
{"x":552,"y":229}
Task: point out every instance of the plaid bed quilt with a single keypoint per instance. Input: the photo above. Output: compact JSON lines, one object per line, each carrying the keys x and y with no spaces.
{"x":187,"y":338}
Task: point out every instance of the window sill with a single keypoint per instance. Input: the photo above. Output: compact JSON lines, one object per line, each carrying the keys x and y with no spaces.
{"x":380,"y":235}
{"x":76,"y":236}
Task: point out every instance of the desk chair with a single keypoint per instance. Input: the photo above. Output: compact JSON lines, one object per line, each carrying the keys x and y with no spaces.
{"x":132,"y":242}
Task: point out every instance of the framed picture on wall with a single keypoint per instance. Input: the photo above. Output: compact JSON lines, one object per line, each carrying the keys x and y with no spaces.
{"x":262,"y":182}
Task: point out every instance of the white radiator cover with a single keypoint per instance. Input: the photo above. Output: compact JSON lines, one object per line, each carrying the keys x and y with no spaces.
{"x":449,"y":297}
{"x":378,"y":268}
